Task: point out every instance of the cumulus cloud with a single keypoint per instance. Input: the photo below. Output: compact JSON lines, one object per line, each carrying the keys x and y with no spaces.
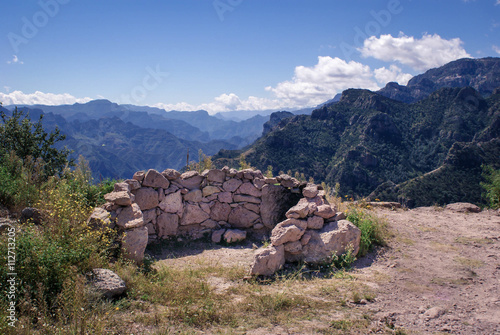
{"x":421,"y":54}
{"x":39,"y":98}
{"x":496,"y":48}
{"x":313,"y":85}
{"x":15,"y":60}
{"x":393,"y":73}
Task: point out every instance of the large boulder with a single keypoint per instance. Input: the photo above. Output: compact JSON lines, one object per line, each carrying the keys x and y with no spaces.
{"x":134,"y":243}
{"x":335,"y":237}
{"x":106,"y":282}
{"x":268,"y":260}
{"x":146,"y":198}
{"x":155,"y":179}
{"x":290,"y":230}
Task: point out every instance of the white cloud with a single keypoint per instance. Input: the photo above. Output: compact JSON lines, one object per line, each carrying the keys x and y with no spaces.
{"x":393,"y":73}
{"x":496,"y":48}
{"x":421,"y":54}
{"x":313,"y":85}
{"x":39,"y":98}
{"x":15,"y":60}
{"x":497,"y":3}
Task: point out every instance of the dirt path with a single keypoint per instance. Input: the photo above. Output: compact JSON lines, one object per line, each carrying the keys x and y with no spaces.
{"x":440,"y":274}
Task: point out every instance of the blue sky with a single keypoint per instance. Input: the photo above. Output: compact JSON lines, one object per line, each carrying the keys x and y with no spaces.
{"x":223,"y":55}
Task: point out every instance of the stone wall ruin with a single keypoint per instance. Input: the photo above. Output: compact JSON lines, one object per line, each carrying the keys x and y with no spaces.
{"x":227,"y":205}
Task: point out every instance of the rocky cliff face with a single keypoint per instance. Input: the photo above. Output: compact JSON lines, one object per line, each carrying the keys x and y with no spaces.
{"x":481,"y":74}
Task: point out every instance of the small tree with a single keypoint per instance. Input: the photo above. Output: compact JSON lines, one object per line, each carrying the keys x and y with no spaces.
{"x":25,"y":138}
{"x":491,"y":186}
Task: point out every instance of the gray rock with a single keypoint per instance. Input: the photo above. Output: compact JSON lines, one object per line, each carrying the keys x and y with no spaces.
{"x":246,"y":198}
{"x":315,"y":222}
{"x":168,"y":225}
{"x":325,"y":211}
{"x":190,"y":180}
{"x":149,"y":215}
{"x":293,"y":247}
{"x":209,"y":190}
{"x":240,"y":217}
{"x":193,"y":214}
{"x":194,"y":195}
{"x":139,"y":176}
{"x":300,"y":210}
{"x":121,"y":198}
{"x":335,"y":237}
{"x":171,"y":174}
{"x":134,"y":243}
{"x":172,"y":203}
{"x":218,"y":176}
{"x":225,"y":197}
{"x":234,"y":235}
{"x":146,"y":198}
{"x":290,"y":230}
{"x":310,"y":191}
{"x":155,"y":179}
{"x":463,"y":207}
{"x":133,"y":184}
{"x":249,"y":189}
{"x":268,"y":260}
{"x":220,"y":211}
{"x":130,"y":217}
{"x":231,"y":185}
{"x":121,"y":187}
{"x":217,"y":235}
{"x":107,"y":283}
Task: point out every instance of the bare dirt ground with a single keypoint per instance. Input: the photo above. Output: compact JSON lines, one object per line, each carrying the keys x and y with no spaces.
{"x":439,"y":274}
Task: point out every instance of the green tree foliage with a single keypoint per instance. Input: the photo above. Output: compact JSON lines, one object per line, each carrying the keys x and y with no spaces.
{"x":29,"y":139}
{"x":491,"y":186}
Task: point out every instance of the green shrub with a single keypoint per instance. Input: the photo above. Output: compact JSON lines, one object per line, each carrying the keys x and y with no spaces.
{"x":491,"y":186}
{"x":373,"y":230}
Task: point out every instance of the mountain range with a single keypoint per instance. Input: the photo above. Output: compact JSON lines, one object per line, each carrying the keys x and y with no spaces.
{"x":367,"y":139}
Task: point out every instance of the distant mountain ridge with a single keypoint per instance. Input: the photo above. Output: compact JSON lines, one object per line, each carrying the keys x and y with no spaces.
{"x":481,"y":74}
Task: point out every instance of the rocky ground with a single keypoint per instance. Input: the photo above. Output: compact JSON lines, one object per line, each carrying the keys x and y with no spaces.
{"x":439,"y":274}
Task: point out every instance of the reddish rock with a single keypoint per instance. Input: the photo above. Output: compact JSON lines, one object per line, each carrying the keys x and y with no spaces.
{"x":155,"y":179}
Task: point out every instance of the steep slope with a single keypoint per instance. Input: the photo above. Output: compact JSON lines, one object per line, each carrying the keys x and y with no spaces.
{"x":367,"y":139}
{"x":481,"y":74}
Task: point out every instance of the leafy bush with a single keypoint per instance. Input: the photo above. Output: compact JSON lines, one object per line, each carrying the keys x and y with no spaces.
{"x":27,"y":139}
{"x":373,"y":230}
{"x":491,"y":186}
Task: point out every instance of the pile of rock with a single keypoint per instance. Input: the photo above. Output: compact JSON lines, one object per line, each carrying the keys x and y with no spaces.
{"x":222,"y":203}
{"x":312,"y":232}
{"x":226,"y":205}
